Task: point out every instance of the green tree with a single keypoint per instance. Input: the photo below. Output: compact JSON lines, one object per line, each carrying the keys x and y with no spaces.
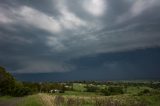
{"x":9,"y":86}
{"x":7,"y":82}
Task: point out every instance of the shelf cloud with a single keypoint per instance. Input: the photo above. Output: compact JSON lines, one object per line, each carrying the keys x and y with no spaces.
{"x":47,"y":36}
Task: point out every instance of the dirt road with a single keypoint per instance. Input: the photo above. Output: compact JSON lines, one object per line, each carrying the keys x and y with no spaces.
{"x":11,"y":102}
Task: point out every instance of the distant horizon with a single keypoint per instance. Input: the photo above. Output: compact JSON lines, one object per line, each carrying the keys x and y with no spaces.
{"x":41,"y":79}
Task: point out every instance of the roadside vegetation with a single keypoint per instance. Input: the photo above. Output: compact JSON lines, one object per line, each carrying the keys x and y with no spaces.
{"x":31,"y":100}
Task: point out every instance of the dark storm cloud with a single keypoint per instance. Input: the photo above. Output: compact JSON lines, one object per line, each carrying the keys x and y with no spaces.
{"x":48,"y":36}
{"x":132,"y":65}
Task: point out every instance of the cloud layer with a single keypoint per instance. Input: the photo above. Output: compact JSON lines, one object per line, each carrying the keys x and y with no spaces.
{"x":46,"y":36}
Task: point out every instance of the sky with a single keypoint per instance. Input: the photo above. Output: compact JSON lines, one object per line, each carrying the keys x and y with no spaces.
{"x":63,"y":40}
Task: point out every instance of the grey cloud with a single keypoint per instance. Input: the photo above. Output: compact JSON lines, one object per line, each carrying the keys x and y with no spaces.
{"x":64,"y":30}
{"x":42,"y":66}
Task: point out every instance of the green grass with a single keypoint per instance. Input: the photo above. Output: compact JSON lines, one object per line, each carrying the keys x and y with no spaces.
{"x":32,"y":100}
{"x":135,"y":90}
{"x":151,"y":100}
{"x":130,"y":97}
{"x":3,"y":98}
{"x":79,"y":87}
{"x":83,"y":97}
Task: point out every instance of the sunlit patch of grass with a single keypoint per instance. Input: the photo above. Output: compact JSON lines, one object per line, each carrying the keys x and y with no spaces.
{"x":79,"y":87}
{"x":151,"y":100}
{"x":46,"y":99}
{"x":33,"y":100}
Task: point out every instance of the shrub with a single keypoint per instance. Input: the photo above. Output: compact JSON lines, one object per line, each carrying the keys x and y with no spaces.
{"x":105,"y":92}
{"x":144,"y":92}
{"x":91,"y":88}
{"x":61,"y":91}
{"x":113,"y":90}
{"x":21,"y":91}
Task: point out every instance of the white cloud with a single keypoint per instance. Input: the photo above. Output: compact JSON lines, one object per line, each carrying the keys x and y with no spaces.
{"x":68,"y":19}
{"x":95,"y":7}
{"x":137,"y":8}
{"x":25,"y":15}
{"x":4,"y":19}
{"x":38,"y":19}
{"x":140,"y":5}
{"x":29,"y":16}
{"x":56,"y":44}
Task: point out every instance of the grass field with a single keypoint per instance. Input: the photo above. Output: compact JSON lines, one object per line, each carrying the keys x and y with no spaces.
{"x":44,"y":99}
{"x":133,"y":96}
{"x":4,"y":98}
{"x":33,"y":100}
{"x":72,"y":100}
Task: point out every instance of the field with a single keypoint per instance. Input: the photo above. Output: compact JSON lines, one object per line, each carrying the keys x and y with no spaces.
{"x":54,"y":100}
{"x":79,"y":96}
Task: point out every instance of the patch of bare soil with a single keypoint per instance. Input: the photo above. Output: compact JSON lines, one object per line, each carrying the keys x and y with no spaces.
{"x":11,"y":102}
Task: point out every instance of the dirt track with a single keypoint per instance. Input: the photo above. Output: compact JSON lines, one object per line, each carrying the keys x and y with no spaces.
{"x":11,"y":102}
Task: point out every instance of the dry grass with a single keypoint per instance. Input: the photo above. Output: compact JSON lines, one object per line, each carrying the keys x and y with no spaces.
{"x":47,"y":100}
{"x":54,"y":100}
